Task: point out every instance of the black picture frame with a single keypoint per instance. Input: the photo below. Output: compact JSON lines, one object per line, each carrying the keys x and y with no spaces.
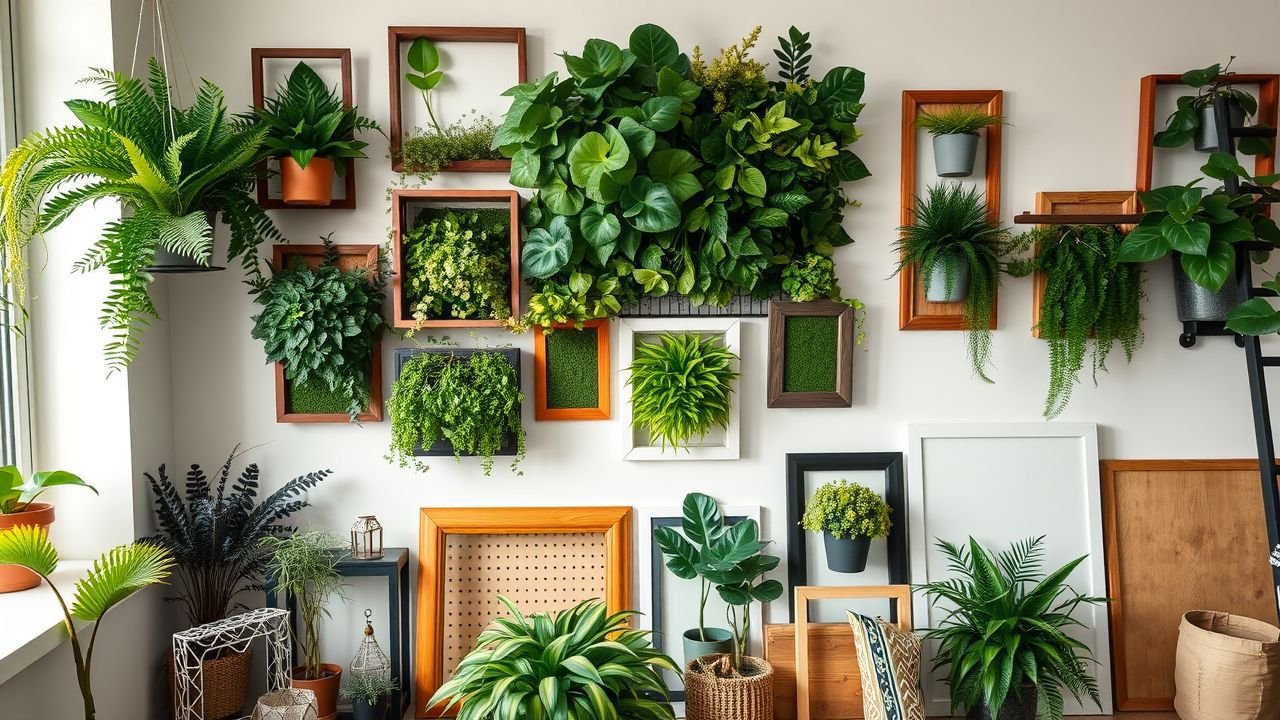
{"x":443,"y":447}
{"x":891,"y":464}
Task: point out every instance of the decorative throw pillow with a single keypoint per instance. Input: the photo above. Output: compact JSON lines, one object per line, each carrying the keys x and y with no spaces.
{"x":889,"y":663}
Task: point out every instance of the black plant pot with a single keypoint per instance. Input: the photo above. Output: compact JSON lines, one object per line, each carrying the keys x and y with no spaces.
{"x":1018,"y":706}
{"x":361,"y":710}
{"x":846,"y":555}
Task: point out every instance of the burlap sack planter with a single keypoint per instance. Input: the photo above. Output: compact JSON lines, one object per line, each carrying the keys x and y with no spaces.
{"x":708,"y":696}
{"x":1228,"y":668}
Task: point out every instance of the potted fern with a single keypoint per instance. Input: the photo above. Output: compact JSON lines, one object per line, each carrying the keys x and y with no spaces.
{"x":955,"y":137}
{"x":849,"y":516}
{"x":18,"y":506}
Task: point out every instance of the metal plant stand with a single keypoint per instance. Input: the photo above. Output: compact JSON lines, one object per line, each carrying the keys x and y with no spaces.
{"x":237,"y":633}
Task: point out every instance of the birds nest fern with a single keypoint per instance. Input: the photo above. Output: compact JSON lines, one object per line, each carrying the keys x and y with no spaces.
{"x":1090,"y":301}
{"x":681,"y":387}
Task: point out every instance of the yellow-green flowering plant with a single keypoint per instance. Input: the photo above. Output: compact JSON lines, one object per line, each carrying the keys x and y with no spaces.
{"x":847,"y":510}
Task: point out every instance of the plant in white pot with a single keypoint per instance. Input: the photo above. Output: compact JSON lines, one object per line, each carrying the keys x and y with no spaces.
{"x":18,"y":506}
{"x":849,"y":516}
{"x":955,"y":137}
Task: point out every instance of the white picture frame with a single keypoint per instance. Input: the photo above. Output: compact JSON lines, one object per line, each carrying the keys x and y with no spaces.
{"x":994,"y":481}
{"x":723,"y":445}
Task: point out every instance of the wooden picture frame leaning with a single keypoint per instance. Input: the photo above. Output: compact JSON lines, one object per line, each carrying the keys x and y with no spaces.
{"x":842,"y":394}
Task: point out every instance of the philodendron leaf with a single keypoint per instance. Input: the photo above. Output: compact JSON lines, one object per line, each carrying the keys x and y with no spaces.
{"x":640,"y":139}
{"x":1254,"y":317}
{"x":601,"y":229}
{"x":1189,"y":239}
{"x":1144,"y":244}
{"x":1159,"y":199}
{"x":681,"y":554}
{"x":660,"y":114}
{"x":595,"y":154}
{"x":1211,"y":270}
{"x":423,"y":56}
{"x":525,"y":166}
{"x":547,"y":250}
{"x":1222,"y":166}
{"x":674,"y":168}
{"x":1203,"y":76}
{"x":656,"y":211}
{"x":560,"y":198}
{"x":653,"y":46}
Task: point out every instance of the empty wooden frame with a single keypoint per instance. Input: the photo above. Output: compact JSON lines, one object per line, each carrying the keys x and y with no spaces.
{"x":520,"y":546}
{"x":543,"y":370}
{"x":841,"y":394}
{"x":914,"y":311}
{"x":399,"y":34}
{"x":402,"y":315}
{"x":349,"y":257}
{"x":348,"y":200}
{"x":835,"y":689}
{"x":900,"y":595}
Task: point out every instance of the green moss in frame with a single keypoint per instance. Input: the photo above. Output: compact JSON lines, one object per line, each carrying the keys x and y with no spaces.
{"x":811,"y":353}
{"x":313,"y":398}
{"x":573,"y":368}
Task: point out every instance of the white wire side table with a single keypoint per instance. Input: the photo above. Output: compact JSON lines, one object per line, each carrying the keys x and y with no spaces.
{"x":236,"y":633}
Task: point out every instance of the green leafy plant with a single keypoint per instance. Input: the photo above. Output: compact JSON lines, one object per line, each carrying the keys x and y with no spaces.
{"x":426,"y":153}
{"x":957,"y":120}
{"x":167,"y":166}
{"x":424,"y":58}
{"x":1090,"y":299}
{"x":458,"y":264}
{"x":114,"y":578}
{"x":322,"y":323}
{"x":472,"y":401}
{"x":681,"y":387}
{"x":581,"y":663}
{"x":793,"y":53}
{"x":16,"y":494}
{"x":847,"y":510}
{"x":730,"y":558}
{"x":305,"y":565}
{"x":369,"y":688}
{"x":1210,"y":83}
{"x":306,"y":119}
{"x":954,"y":229}
{"x":1004,"y":628}
{"x":813,"y":277}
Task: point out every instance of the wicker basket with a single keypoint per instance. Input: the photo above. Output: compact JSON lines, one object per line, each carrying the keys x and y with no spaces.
{"x":713,"y":691}
{"x":226,"y":684}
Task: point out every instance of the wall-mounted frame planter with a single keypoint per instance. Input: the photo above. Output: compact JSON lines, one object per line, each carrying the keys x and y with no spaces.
{"x":719,"y":444}
{"x":402,"y":219}
{"x":571,"y":372}
{"x":400,"y":35}
{"x":442,"y":447}
{"x":810,"y":354}
{"x":343,"y":55}
{"x":914,"y":311}
{"x":349,"y":257}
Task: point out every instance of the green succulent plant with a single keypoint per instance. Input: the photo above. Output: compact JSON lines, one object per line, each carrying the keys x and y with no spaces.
{"x":847,"y":510}
{"x":306,"y":119}
{"x":957,"y":120}
{"x":681,"y":387}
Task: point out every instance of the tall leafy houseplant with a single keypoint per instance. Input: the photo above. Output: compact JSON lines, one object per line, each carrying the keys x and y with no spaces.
{"x":114,"y":578}
{"x":681,"y":387}
{"x":703,"y":525}
{"x":171,"y":168}
{"x":427,"y":152}
{"x":18,"y":506}
{"x":1194,"y":117}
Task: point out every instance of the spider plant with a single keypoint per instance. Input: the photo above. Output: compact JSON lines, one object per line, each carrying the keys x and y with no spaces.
{"x":681,"y":387}
{"x":305,"y":565}
{"x":305,"y":119}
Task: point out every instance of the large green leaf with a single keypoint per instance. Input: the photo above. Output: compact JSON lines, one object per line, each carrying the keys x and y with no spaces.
{"x":28,"y":546}
{"x":1191,"y":238}
{"x":660,"y":114}
{"x":653,"y":46}
{"x":547,"y":250}
{"x":654,"y":211}
{"x":1144,"y":244}
{"x":595,"y":154}
{"x":640,"y":139}
{"x":1210,"y":271}
{"x":752,"y":181}
{"x":423,"y":56}
{"x":739,"y":542}
{"x":525,"y":166}
{"x":1254,"y":317}
{"x":675,"y":168}
{"x":561,"y":198}
{"x":10,"y":480}
{"x":842,"y":85}
{"x":1202,"y":76}
{"x":681,"y":554}
{"x":1159,"y":199}
{"x":601,"y":228}
{"x":701,"y":519}
{"x":121,"y":572}
{"x":41,"y":481}
{"x":849,"y":167}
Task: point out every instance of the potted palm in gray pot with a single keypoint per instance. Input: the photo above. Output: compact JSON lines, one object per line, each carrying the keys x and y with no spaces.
{"x":955,"y":137}
{"x":849,"y":516}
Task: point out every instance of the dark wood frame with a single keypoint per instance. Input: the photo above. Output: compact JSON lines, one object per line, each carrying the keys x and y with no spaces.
{"x":348,"y":99}
{"x":891,"y":463}
{"x":915,"y":313}
{"x":313,"y":255}
{"x":400,"y":199}
{"x":603,"y":370}
{"x":443,"y":447}
{"x":842,"y":396}
{"x":400,"y":34}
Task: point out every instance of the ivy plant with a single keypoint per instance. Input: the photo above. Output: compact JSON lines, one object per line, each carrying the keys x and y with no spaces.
{"x":681,"y":387}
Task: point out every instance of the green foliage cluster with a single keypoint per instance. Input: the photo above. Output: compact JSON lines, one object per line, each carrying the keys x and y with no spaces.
{"x":1210,"y":83}
{"x":306,"y":119}
{"x":658,"y":174}
{"x":305,"y":566}
{"x":811,"y":346}
{"x":368,"y":688}
{"x":812,"y":277}
{"x":322,"y":324}
{"x":572,"y":369}
{"x":681,"y":387}
{"x":16,"y":494}
{"x":1088,"y":292}
{"x":314,"y":397}
{"x":426,"y":153}
{"x":1007,"y":628}
{"x":458,"y":264}
{"x":847,"y":510}
{"x":472,"y":401}
{"x":953,"y":228}
{"x":581,"y":663}
{"x":957,"y":120}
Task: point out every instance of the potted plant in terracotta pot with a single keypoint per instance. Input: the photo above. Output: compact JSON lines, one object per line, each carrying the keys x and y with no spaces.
{"x":305,"y":565}
{"x":369,"y":695}
{"x":308,"y":129}
{"x":18,"y":507}
{"x":702,"y":526}
{"x":849,"y":516}
{"x":955,"y":137}
{"x":1194,"y":119}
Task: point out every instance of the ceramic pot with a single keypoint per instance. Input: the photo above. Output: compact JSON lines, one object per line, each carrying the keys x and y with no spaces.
{"x":846,"y":555}
{"x":312,"y":185}
{"x":325,"y":688}
{"x":954,"y":154}
{"x":361,"y":710}
{"x":1206,"y":139}
{"x":718,"y":640}
{"x":1017,"y":706}
{"x":1197,"y":304}
{"x":12,"y":577}
{"x":954,"y":266}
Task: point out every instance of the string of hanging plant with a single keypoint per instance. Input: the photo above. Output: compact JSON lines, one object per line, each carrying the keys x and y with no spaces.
{"x":1091,"y":301}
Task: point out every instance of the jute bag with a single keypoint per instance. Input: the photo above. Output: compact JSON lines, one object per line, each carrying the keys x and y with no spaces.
{"x":1228,"y":668}
{"x":713,"y":691}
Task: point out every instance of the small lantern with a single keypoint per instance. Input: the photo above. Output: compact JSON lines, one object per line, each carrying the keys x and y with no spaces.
{"x":369,"y":659}
{"x":366,"y":538}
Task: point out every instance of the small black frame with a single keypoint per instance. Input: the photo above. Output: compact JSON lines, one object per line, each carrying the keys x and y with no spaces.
{"x":442,"y":446}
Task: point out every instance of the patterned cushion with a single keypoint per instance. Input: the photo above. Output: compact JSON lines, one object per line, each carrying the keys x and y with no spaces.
{"x":889,"y":663}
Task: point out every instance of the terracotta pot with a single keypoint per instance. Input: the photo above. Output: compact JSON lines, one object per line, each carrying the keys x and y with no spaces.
{"x":226,"y":684}
{"x":312,"y":185}
{"x":326,"y":688}
{"x":12,"y":577}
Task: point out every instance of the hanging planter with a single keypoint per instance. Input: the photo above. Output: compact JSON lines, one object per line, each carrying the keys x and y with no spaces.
{"x":948,"y":279}
{"x":849,"y":516}
{"x":954,"y":154}
{"x":955,"y":137}
{"x":1206,"y":139}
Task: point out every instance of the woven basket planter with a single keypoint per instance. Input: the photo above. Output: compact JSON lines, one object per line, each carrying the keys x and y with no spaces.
{"x":226,"y":683}
{"x":714,"y":692}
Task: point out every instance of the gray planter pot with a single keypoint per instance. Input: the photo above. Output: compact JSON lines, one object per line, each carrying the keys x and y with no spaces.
{"x":958,"y":270}
{"x":953,"y":155}
{"x":846,"y":555}
{"x":1196,"y":304}
{"x":1206,"y":139}
{"x":1017,"y":706}
{"x":718,"y":641}
{"x":361,"y":710}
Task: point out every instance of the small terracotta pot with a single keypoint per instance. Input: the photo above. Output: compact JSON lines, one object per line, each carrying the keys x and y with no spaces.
{"x":14,"y":578}
{"x":326,"y":688}
{"x":312,"y":185}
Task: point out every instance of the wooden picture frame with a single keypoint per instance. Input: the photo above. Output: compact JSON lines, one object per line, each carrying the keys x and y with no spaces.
{"x":914,"y":311}
{"x":343,"y":55}
{"x":401,"y":318}
{"x":442,"y":447}
{"x":899,"y":595}
{"x":349,"y":256}
{"x":541,"y":409}
{"x":842,"y":394}
{"x":437,"y":524}
{"x":400,"y":34}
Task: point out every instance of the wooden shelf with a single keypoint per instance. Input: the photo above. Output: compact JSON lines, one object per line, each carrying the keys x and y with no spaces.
{"x":1029,"y":218}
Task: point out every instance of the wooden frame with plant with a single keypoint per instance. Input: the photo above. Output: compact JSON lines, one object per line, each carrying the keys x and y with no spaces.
{"x":1210,"y":83}
{"x":957,"y":120}
{"x":682,"y":387}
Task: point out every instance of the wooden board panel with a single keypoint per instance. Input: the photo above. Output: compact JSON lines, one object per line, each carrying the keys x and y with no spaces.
{"x":835,"y":685}
{"x":1180,"y":535}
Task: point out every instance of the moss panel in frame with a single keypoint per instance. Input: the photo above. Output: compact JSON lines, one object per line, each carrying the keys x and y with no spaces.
{"x":315,"y":398}
{"x":573,"y":365}
{"x":812,"y":349}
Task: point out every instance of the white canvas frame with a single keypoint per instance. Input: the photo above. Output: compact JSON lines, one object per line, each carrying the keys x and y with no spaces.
{"x":628,"y":328}
{"x":1081,"y":438}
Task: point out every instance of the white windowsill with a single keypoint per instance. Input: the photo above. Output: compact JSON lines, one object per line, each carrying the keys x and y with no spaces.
{"x":33,"y":624}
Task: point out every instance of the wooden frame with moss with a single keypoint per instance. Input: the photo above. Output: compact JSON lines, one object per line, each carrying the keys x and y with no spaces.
{"x":811,"y":367}
{"x":349,"y":256}
{"x":571,"y":372}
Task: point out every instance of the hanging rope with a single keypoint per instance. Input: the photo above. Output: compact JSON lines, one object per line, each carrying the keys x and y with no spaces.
{"x":162,"y":49}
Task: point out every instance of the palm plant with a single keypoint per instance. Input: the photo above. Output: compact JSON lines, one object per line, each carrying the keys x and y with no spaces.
{"x":118,"y":574}
{"x":305,"y":565}
{"x":1004,"y":632}
{"x":581,"y":664}
{"x":681,"y":387}
{"x":306,"y":119}
{"x":170,"y":168}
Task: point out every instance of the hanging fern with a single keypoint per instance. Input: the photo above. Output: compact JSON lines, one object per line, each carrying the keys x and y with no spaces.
{"x":1087,"y":292}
